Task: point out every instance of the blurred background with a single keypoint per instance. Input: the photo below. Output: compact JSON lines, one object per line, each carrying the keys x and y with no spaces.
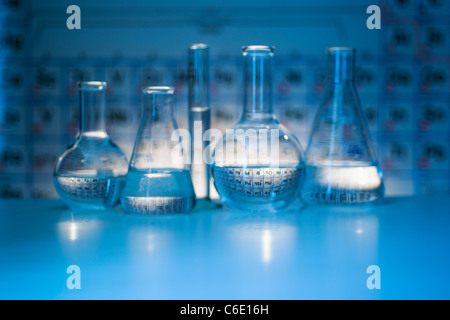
{"x":403,"y":75}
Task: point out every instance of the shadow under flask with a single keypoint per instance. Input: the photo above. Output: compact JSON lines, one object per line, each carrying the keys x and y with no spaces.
{"x":158,"y":179}
{"x":90,"y":174}
{"x":341,"y":166}
{"x":259,"y":164}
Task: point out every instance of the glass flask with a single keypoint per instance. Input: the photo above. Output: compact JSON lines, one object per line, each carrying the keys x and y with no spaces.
{"x":158,"y":179}
{"x":199,"y":116}
{"x":258,"y":165}
{"x":341,"y":166}
{"x":90,"y":174}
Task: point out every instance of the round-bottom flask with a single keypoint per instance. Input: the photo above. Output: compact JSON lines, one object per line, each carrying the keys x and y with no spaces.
{"x":90,"y":174}
{"x":158,"y":179}
{"x":259,"y":164}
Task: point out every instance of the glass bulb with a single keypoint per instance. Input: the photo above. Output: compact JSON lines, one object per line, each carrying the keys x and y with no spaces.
{"x":259,"y":164}
{"x":90,"y":173}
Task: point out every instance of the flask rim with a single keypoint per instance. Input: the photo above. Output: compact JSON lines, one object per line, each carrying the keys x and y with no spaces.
{"x":158,"y":90}
{"x":258,"y":50}
{"x":198,"y":46}
{"x":92,"y":85}
{"x":340,"y":50}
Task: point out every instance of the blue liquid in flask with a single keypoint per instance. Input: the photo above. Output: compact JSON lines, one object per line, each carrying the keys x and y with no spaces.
{"x":90,"y":173}
{"x":349,"y":184}
{"x":158,"y":179}
{"x":259,"y":165}
{"x":258,"y":188}
{"x":89,"y":192}
{"x":341,"y":165}
{"x":158,"y":191}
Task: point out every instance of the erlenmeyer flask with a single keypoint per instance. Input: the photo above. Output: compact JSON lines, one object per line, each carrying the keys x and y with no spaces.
{"x":90,"y":174}
{"x":341,"y":166}
{"x":258,"y":165}
{"x":158,"y":179}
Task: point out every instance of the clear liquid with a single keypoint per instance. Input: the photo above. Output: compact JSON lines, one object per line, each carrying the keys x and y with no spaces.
{"x":342,"y":184}
{"x":258,"y":188}
{"x":158,"y":191}
{"x":90,"y":193}
{"x":199,"y":169}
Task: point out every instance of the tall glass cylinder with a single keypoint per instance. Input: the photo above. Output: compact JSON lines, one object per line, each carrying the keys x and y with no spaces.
{"x":199,"y":117}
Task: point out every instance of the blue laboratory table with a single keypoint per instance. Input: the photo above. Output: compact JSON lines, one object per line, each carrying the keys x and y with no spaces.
{"x":304,"y":252}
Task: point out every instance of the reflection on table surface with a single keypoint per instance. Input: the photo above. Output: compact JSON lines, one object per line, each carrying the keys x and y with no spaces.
{"x":303,"y":252}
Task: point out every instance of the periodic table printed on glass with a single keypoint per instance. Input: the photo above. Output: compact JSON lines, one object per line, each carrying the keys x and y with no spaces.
{"x":251,"y":183}
{"x":93,"y":189}
{"x":155,"y":205}
{"x":403,"y":83}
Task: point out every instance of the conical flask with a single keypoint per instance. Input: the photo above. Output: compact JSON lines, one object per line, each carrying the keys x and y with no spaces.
{"x":341,"y":166}
{"x":158,"y":179}
{"x":90,"y":174}
{"x":258,"y":165}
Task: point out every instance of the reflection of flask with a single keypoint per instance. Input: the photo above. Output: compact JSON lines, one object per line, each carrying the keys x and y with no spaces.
{"x":199,"y":116}
{"x":341,"y":164}
{"x":258,"y":166}
{"x":90,"y":173}
{"x":158,"y":179}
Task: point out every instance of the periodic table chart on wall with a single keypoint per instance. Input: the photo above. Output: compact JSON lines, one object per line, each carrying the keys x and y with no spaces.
{"x":403,"y":72}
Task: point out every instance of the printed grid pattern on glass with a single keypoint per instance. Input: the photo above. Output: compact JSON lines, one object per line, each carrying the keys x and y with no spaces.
{"x":258,"y":182}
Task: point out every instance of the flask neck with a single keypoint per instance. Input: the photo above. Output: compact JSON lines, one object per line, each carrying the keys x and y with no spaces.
{"x":198,"y":76}
{"x":158,"y":109}
{"x":158,"y":143}
{"x":92,"y":109}
{"x":341,"y":66}
{"x":258,"y":95}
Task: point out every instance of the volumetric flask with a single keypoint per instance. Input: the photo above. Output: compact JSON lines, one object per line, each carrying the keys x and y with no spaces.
{"x":341,"y":164}
{"x":258,"y":165}
{"x":158,"y":179}
{"x":90,"y":174}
